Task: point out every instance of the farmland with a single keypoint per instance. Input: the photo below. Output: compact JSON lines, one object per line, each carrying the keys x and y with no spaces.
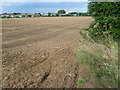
{"x":41,"y":52}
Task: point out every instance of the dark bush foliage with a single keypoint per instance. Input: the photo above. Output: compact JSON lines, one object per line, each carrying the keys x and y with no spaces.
{"x":107,"y":21}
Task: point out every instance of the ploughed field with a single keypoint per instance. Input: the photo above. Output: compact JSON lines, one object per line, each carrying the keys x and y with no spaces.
{"x":41,"y":52}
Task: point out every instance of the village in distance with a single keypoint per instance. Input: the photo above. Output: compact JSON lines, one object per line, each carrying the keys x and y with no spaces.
{"x":60,"y":13}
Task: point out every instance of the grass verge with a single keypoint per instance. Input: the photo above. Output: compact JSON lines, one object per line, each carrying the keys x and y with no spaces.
{"x":101,"y":60}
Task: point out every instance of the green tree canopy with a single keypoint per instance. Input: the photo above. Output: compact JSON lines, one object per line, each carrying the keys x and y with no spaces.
{"x":49,"y":14}
{"x":106,"y":16}
{"x":61,"y":12}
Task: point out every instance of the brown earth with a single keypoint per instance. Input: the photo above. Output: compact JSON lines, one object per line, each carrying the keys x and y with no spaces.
{"x":41,"y":52}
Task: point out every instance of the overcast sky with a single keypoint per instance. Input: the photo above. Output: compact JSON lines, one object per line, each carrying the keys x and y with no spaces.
{"x":43,"y":6}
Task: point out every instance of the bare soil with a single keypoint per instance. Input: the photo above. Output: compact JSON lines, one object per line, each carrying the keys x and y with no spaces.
{"x":41,"y":52}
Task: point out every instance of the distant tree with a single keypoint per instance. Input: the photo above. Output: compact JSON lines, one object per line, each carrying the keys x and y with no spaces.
{"x":4,"y":13}
{"x":61,"y":12}
{"x":29,"y":15}
{"x":80,"y":14}
{"x":57,"y":14}
{"x":18,"y":13}
{"x":73,"y":13}
{"x":35,"y":15}
{"x":39,"y":14}
{"x":49,"y":14}
{"x":15,"y":13}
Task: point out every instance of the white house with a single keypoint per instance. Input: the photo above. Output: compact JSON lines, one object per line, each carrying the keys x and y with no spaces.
{"x":18,"y":16}
{"x":12,"y":16}
{"x":44,"y":14}
{"x":61,"y":15}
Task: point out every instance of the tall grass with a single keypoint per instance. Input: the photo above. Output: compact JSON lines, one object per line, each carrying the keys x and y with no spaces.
{"x":102,"y":61}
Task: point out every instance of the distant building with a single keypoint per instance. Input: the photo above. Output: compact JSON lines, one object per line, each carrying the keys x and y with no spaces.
{"x":12,"y":16}
{"x":29,"y":15}
{"x":18,"y":16}
{"x":67,"y":12}
{"x":54,"y":14}
{"x":44,"y":14}
{"x":62,"y":15}
{"x":73,"y":13}
{"x":4,"y":16}
{"x":25,"y":15}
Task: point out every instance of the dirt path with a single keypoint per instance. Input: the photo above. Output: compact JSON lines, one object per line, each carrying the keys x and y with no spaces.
{"x":41,"y":52}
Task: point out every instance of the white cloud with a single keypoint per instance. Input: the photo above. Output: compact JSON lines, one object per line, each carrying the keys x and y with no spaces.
{"x":5,"y":4}
{"x":82,"y":9}
{"x":44,"y":0}
{"x":9,"y":2}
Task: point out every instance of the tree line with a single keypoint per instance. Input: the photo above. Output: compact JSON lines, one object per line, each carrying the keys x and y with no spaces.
{"x":49,"y":14}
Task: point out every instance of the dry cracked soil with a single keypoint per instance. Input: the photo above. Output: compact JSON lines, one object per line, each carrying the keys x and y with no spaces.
{"x":41,"y":52}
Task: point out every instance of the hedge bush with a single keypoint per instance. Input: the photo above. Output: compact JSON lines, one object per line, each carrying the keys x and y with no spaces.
{"x":107,"y":21}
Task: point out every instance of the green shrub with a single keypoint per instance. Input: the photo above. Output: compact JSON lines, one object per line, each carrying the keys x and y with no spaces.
{"x":83,"y":34}
{"x":107,"y":21}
